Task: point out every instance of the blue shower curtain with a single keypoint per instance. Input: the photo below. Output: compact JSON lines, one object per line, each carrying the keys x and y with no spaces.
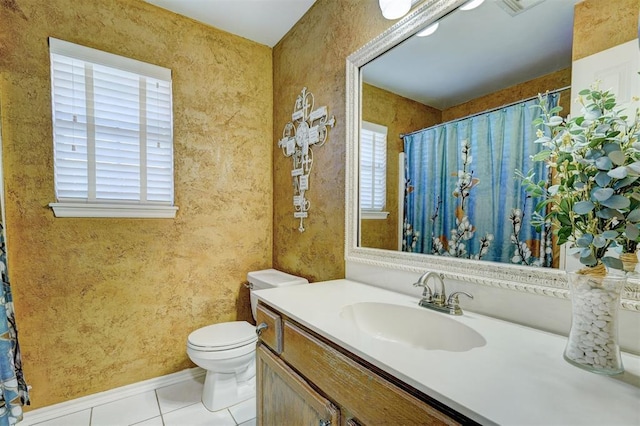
{"x":500,"y":142}
{"x":14,"y":393}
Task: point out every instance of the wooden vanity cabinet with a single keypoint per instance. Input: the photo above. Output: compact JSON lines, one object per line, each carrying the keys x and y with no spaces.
{"x":302,"y":379}
{"x":285,"y":398}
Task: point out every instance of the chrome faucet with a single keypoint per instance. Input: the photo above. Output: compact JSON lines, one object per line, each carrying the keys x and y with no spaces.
{"x":435,"y":299}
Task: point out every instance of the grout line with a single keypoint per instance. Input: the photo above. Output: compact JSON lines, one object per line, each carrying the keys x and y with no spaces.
{"x":231,"y":414}
{"x":159,"y":407}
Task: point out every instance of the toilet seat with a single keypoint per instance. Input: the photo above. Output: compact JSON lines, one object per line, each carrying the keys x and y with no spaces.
{"x":222,"y":337}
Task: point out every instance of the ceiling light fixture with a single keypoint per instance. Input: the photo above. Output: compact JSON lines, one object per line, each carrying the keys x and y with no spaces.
{"x":429,"y":30}
{"x":471,"y":4}
{"x":394,"y":9}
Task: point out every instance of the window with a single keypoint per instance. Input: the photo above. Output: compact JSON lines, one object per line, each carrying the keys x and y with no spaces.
{"x":373,"y":170}
{"x":112,"y":134}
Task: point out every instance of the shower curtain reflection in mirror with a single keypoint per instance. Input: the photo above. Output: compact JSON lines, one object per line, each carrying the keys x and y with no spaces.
{"x":462,"y":196}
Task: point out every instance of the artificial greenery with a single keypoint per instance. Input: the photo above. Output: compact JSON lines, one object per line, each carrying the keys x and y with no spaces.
{"x":593,"y":198}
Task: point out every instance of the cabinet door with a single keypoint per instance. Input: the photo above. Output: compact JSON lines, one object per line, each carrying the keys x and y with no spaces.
{"x":284,"y":398}
{"x":370,"y":398}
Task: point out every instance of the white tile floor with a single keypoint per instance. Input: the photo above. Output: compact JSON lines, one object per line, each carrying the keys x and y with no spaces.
{"x":175,"y":405}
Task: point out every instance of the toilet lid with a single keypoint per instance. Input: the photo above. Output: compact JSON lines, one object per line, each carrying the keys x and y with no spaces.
{"x":226,"y":335}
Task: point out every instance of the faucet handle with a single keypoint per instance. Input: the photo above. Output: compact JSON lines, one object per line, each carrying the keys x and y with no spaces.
{"x":454,"y":304}
{"x":427,"y":295}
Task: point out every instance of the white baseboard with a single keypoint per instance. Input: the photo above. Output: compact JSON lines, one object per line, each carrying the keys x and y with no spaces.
{"x":86,"y":402}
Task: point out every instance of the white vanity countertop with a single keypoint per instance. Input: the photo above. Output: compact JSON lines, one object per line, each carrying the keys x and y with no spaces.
{"x":518,"y":378}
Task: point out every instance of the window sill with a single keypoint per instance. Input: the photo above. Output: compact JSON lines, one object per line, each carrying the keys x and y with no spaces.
{"x":373,"y":215}
{"x":113,"y":210}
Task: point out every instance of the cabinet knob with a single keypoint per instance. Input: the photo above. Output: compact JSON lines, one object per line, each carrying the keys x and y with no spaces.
{"x":261,"y":327}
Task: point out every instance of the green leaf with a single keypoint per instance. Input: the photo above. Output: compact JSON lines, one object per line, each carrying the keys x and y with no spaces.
{"x":603,"y":179}
{"x":617,"y":173}
{"x":612,"y":262}
{"x":634,"y":216}
{"x":555,"y":110}
{"x":542,"y":155}
{"x":604,"y":163}
{"x":632,"y":232}
{"x":589,"y":260}
{"x":602,"y":194}
{"x":584,"y":240}
{"x":564,"y":232}
{"x":611,"y":147}
{"x":596,"y":141}
{"x":625,"y":182}
{"x":584,"y":92}
{"x":618,"y":202}
{"x":599,"y":241}
{"x":635,"y":167}
{"x":564,"y":219}
{"x":584,"y":207}
{"x":609,"y":214}
{"x":610,"y":235}
{"x":542,"y":204}
{"x":617,"y":157}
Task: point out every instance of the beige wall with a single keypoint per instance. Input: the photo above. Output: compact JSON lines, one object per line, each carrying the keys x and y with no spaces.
{"x":102,"y":303}
{"x":528,"y":89}
{"x":399,"y":115}
{"x":602,"y":24}
{"x":312,"y":55}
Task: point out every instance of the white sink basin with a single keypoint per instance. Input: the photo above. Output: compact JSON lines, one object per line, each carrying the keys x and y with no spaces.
{"x":416,"y":327}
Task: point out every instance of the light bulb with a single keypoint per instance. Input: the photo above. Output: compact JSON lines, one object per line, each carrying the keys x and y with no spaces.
{"x":429,"y":30}
{"x":394,"y":9}
{"x":471,"y":4}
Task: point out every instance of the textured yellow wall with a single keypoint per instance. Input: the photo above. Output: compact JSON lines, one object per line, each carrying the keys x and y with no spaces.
{"x":602,"y":24}
{"x":313,"y":55}
{"x":101,"y":303}
{"x":399,"y":115}
{"x":555,"y":80}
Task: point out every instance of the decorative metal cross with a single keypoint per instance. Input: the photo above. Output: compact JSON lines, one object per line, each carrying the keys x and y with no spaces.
{"x":305,"y":129}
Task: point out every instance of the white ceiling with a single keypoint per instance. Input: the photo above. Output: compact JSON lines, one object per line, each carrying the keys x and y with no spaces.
{"x":477,"y":52}
{"x":472,"y":53}
{"x":263,"y":21}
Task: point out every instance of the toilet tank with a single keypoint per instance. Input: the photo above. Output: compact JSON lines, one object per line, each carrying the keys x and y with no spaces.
{"x":270,"y":278}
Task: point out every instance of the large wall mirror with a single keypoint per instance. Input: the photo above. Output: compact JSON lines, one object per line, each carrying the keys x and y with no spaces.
{"x":443,"y":193}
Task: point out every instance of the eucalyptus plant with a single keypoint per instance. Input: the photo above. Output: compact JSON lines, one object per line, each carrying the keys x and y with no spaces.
{"x":593,"y":198}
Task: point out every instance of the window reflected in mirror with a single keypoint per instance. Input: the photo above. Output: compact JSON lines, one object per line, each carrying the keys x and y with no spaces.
{"x":459,"y":105}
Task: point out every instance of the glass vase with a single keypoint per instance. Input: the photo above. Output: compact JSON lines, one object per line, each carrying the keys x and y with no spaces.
{"x":593,"y":339}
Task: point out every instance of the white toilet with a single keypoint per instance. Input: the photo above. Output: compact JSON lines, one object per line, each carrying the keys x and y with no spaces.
{"x":228,"y":350}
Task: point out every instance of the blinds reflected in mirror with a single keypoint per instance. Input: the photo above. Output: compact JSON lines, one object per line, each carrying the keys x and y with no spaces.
{"x":373,"y":166}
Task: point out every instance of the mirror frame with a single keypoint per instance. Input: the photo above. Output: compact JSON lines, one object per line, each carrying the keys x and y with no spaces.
{"x":540,"y":281}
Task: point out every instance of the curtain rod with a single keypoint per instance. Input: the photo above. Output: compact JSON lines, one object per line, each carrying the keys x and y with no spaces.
{"x":402,"y":135}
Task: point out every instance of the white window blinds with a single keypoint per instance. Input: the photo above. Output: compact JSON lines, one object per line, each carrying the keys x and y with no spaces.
{"x":373,"y":166}
{"x":112,"y":127}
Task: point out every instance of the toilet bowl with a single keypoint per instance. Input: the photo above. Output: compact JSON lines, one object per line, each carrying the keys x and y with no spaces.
{"x":227,"y":351}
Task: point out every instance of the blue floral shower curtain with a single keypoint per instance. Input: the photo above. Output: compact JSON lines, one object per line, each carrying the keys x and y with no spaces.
{"x":14,"y":391}
{"x":462,"y":196}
